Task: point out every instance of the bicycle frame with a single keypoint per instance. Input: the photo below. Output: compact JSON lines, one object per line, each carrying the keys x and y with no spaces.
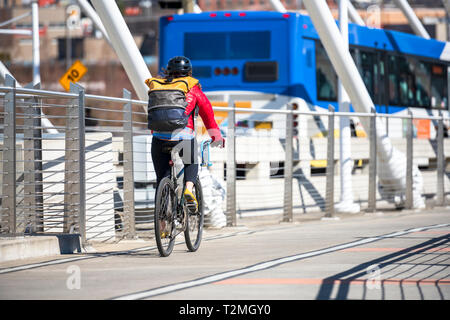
{"x":179,"y":176}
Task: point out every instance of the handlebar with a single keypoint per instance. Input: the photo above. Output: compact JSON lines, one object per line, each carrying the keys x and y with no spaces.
{"x":204,"y":150}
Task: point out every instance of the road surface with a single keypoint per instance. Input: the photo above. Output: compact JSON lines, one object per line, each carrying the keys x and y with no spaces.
{"x":395,"y":255}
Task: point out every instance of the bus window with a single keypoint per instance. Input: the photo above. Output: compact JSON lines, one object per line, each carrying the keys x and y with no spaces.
{"x":392,"y":77}
{"x":380,"y":79}
{"x":439,"y":86}
{"x":423,"y":84}
{"x":205,"y":45}
{"x":405,"y":78}
{"x":326,"y":78}
{"x":366,"y":63}
{"x":249,"y":45}
{"x":201,"y":71}
{"x":227,"y":45}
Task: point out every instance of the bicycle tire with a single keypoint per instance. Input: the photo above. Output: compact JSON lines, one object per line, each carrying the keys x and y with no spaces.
{"x":164,"y":212}
{"x":194,"y":223}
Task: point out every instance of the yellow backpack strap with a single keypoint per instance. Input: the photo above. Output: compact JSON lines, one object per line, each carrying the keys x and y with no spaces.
{"x":192,"y":82}
{"x":149,"y":81}
{"x":184,"y":83}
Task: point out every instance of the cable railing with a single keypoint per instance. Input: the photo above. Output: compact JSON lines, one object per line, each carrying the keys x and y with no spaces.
{"x":95,"y":177}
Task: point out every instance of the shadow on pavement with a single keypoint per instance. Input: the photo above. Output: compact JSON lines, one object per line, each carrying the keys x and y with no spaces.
{"x":395,"y":268}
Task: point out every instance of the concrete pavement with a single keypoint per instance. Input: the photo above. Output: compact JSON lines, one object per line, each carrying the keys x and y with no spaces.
{"x":395,"y":255}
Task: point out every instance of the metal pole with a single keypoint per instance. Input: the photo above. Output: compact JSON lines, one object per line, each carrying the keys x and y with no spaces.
{"x":81,"y":165}
{"x":391,"y":161}
{"x":12,"y":20}
{"x":277,"y":5}
{"x":9,"y":155}
{"x":448,"y":75}
{"x":72,"y":194}
{"x":354,"y":15}
{"x":35,"y":43}
{"x":340,"y":57}
{"x":372,"y":198}
{"x":21,"y":32}
{"x":188,"y":6}
{"x":68,"y":44}
{"x":197,"y":9}
{"x":39,"y":188}
{"x":4,"y":71}
{"x":231,"y":167}
{"x":329,"y":197}
{"x":447,"y":17}
{"x":45,"y":122}
{"x":346,"y":203}
{"x":29,"y":157}
{"x":440,"y":162}
{"x":414,"y":22}
{"x":90,"y":12}
{"x":36,"y":132}
{"x":409,"y":163}
{"x":128,"y":169}
{"x":124,"y":45}
{"x":288,"y":167}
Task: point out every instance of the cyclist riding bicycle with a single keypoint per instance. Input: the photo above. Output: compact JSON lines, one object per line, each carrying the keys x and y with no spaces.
{"x":173,"y":102}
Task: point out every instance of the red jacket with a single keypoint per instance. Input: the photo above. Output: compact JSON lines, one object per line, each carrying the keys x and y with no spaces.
{"x":196,"y":97}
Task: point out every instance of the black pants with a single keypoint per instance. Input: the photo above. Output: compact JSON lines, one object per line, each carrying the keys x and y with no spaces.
{"x":161,"y":158}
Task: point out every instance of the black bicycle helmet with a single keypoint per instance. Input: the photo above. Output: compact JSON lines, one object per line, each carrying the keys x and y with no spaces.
{"x":179,"y":65}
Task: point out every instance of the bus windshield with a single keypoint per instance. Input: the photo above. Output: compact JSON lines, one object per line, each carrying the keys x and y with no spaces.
{"x":227,"y":45}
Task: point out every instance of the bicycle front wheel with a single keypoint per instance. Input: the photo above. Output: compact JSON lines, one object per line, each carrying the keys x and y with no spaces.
{"x":194,"y":222}
{"x":165,"y":208}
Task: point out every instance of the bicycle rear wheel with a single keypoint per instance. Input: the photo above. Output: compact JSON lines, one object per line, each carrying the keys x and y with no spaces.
{"x":165,"y":209}
{"x":194,"y":222}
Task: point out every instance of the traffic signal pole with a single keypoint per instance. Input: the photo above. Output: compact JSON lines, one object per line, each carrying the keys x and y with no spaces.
{"x":35,"y":43}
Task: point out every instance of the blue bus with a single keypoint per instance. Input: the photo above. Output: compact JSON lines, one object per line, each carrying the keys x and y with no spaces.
{"x":280,"y":57}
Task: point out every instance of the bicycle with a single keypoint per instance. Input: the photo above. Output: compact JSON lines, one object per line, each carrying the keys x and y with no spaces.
{"x":172,"y":216}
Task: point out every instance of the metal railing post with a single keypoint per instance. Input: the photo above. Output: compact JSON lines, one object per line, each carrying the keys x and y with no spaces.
{"x":9,"y":155}
{"x":440,"y":162}
{"x":288,"y":167}
{"x":231,"y":167}
{"x":74,"y":166}
{"x":128,"y":169}
{"x":69,"y":165}
{"x":372,"y":196}
{"x":29,"y":157}
{"x":409,"y":162}
{"x":329,"y":202}
{"x":81,"y":165}
{"x":38,"y":225}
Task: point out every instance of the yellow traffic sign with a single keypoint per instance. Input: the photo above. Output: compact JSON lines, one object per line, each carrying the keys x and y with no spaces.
{"x":74,"y":74}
